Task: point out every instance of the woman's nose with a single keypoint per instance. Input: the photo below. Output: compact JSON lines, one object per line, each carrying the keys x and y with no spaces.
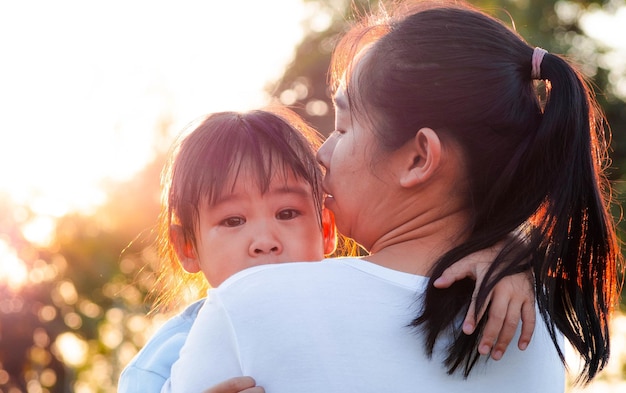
{"x":325,"y":151}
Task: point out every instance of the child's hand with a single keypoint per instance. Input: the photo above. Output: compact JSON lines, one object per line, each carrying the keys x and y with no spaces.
{"x":236,"y":385}
{"x":512,"y":299}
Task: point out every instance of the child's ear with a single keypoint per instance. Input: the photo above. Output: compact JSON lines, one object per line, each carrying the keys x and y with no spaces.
{"x":423,"y":156}
{"x":329,"y":231}
{"x":185,"y":250}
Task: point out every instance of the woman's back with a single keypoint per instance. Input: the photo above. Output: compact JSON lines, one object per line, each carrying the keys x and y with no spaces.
{"x":337,"y":326}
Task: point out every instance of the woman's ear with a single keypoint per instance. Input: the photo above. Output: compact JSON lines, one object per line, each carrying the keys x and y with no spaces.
{"x":185,"y":250}
{"x":422,"y":159}
{"x":329,"y":231}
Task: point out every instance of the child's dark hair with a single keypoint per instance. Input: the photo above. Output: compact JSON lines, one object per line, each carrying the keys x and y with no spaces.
{"x":535,"y":171}
{"x":206,"y":163}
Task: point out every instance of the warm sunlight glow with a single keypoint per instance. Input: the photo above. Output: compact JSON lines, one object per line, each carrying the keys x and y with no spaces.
{"x":610,"y":30}
{"x":72,"y":349}
{"x":87,"y":87}
{"x":13,"y":272}
{"x":39,"y":230}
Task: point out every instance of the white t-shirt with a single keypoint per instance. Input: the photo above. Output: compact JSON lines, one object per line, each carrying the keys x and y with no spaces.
{"x":339,"y":326}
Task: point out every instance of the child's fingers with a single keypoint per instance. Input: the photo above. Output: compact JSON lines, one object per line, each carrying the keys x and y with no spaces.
{"x":528,"y":324}
{"x":236,"y":385}
{"x":513,"y":300}
{"x":494,"y":325}
{"x":454,"y":273}
{"x":471,"y":266}
{"x":507,"y":329}
{"x":469,"y":324}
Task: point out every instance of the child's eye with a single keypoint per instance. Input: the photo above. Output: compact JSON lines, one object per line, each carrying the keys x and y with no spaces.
{"x":233,"y":221}
{"x":288,"y":214}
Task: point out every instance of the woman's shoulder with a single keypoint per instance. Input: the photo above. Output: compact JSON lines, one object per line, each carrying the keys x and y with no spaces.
{"x":273,"y":271}
{"x":290,"y":274}
{"x":328,"y":280}
{"x":327,"y":271}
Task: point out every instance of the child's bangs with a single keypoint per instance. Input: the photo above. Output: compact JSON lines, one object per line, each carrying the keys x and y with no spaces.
{"x":259,"y":145}
{"x":258,"y":164}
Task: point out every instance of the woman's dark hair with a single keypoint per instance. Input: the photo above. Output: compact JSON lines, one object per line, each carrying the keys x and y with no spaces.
{"x":535,"y":170}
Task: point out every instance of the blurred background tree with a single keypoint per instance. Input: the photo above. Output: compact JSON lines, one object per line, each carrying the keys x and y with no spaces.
{"x":553,"y":25}
{"x":80,"y":313}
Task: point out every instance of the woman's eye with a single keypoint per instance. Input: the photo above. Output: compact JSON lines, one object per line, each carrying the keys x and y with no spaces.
{"x":233,"y":221}
{"x":287,"y":214}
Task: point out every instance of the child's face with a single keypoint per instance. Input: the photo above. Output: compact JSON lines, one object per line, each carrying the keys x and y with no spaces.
{"x":247,"y":228}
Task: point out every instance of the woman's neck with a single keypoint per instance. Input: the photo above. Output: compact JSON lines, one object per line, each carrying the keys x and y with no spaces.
{"x":416,"y":245}
{"x":425,"y":218}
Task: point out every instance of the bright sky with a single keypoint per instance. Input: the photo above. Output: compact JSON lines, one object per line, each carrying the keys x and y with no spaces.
{"x":84,"y":84}
{"x":610,"y":29}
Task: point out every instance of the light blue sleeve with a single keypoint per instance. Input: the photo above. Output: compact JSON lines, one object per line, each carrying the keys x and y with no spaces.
{"x":136,"y":380}
{"x":151,"y":367}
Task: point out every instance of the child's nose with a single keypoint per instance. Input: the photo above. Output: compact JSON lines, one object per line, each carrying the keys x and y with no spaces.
{"x":265,"y":244}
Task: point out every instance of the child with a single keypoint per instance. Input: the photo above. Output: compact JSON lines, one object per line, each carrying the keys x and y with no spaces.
{"x":241,"y":190}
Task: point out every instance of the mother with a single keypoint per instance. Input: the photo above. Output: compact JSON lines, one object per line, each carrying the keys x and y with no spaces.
{"x":441,"y":148}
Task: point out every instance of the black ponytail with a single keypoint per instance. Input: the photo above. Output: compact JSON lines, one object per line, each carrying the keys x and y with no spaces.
{"x":565,"y":235}
{"x":576,"y":273}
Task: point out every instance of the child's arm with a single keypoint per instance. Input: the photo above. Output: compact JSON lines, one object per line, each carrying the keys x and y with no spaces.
{"x":512,"y":299}
{"x":236,"y":385}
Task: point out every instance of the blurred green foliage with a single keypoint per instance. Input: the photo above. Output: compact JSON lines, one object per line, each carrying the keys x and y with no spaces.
{"x":81,"y":312}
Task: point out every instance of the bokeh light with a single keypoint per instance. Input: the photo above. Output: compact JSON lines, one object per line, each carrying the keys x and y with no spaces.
{"x":13,"y":271}
{"x":72,"y":349}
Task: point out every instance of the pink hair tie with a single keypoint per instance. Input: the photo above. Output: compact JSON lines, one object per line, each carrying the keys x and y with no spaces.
{"x":538,"y":54}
